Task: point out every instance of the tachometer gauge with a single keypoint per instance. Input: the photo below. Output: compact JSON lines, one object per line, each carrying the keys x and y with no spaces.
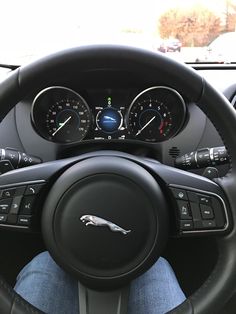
{"x":61,"y":115}
{"x":156,"y":114}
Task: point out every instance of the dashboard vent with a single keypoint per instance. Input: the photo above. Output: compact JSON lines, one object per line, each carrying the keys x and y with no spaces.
{"x":233,"y":101}
{"x":174,"y":152}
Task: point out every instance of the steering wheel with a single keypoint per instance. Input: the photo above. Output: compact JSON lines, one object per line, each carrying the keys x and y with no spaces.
{"x":142,"y":193}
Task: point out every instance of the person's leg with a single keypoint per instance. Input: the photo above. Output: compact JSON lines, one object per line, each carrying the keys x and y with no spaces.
{"x":46,"y":286}
{"x":155,"y":292}
{"x":50,"y":289}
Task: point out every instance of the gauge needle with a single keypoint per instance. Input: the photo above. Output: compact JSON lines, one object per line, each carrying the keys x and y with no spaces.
{"x":61,"y":125}
{"x":145,"y":126}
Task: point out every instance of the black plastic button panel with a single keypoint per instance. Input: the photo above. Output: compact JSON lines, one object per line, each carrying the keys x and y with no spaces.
{"x":198,"y":211}
{"x":17,"y":204}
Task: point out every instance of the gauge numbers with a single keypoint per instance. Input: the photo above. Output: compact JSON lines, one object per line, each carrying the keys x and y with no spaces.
{"x":156,"y":114}
{"x":61,"y":115}
{"x":150,"y":120}
{"x":67,"y":120}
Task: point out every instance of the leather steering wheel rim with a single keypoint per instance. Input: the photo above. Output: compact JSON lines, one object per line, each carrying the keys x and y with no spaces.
{"x":220,"y":285}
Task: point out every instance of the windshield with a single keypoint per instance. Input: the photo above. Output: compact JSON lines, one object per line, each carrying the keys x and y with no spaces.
{"x":181,"y":29}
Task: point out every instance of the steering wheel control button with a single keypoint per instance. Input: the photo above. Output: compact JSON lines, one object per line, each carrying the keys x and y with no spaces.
{"x":206,"y":211}
{"x":179,"y":194}
{"x":8,"y":193}
{"x":15,"y":206}
{"x":3,"y":218}
{"x":27,"y":205}
{"x":184,"y":210}
{"x":186,"y":225}
{"x":33,"y":189}
{"x":203,"y":199}
{"x":5,"y":205}
{"x":24,"y":220}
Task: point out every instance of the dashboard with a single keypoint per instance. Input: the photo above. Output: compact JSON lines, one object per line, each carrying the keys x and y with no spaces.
{"x":113,"y":110}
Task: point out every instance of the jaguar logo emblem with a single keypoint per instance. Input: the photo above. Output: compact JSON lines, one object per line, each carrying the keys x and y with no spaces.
{"x":100,"y":222}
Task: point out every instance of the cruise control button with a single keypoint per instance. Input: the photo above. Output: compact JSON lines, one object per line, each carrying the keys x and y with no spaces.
{"x":184,"y":210}
{"x":203,"y":199}
{"x":3,"y":218}
{"x":5,"y":205}
{"x":24,"y":220}
{"x":33,"y":189}
{"x":206,"y":212}
{"x":8,"y":193}
{"x":179,"y":194}
{"x":186,"y":225}
{"x":15,"y":206}
{"x":27,"y":205}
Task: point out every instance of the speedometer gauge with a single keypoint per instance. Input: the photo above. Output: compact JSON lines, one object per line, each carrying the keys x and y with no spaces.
{"x":61,"y":115}
{"x":156,"y":114}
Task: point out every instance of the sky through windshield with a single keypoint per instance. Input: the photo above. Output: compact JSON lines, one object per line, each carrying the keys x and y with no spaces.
{"x":34,"y":28}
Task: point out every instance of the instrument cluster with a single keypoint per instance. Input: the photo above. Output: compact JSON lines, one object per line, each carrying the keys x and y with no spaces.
{"x":62,"y":115}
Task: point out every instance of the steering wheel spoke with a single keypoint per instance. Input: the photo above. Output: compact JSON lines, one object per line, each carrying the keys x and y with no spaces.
{"x":198,"y":204}
{"x":99,"y":302}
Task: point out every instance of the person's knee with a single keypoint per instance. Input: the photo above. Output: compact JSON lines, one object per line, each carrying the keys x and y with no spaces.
{"x":41,"y":262}
{"x":161,"y":265}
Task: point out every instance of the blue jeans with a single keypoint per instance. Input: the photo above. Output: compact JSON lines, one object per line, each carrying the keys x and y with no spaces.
{"x":45,"y":285}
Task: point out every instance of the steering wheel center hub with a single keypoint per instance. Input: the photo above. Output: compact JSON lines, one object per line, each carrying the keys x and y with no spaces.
{"x":105,"y":220}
